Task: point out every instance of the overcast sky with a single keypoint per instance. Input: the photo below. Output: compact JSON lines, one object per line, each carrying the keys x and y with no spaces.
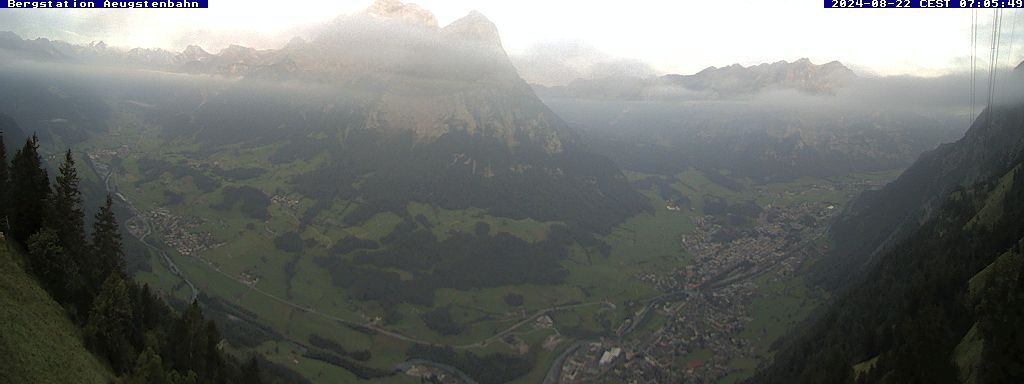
{"x":674,"y":36}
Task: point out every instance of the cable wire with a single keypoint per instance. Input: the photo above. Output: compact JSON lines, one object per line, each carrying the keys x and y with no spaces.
{"x":997,"y":17}
{"x":974,"y":61}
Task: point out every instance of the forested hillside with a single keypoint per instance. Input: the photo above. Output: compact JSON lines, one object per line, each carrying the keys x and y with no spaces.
{"x":942,"y":304}
{"x":878,"y":219}
{"x":89,"y":300}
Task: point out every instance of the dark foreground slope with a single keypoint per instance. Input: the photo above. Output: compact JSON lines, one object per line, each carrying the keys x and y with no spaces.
{"x":934,"y":306}
{"x":12,"y":133}
{"x":38,"y":343}
{"x":879,"y":219}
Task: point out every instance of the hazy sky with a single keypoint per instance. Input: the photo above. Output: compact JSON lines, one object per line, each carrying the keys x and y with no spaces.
{"x":675,"y":36}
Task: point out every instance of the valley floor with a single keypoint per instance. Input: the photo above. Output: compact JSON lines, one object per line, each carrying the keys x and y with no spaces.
{"x":690,"y":291}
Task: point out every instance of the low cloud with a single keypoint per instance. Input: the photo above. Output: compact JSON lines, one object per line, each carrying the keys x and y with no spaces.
{"x":561,"y":62}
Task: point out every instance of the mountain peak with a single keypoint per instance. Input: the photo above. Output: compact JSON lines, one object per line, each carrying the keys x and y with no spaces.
{"x":475,"y":27}
{"x":9,"y":35}
{"x":237,"y":51}
{"x":710,"y":68}
{"x":194,"y":52}
{"x":409,"y":13}
{"x":295,"y":42}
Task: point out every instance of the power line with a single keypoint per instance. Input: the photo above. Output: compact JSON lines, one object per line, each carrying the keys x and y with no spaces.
{"x":997,"y":17}
{"x":974,"y":60}
{"x":1013,"y":31}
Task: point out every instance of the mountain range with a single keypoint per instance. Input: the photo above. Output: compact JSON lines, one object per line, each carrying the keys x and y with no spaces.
{"x":418,"y":76}
{"x":712,"y":83}
{"x":452,"y":121}
{"x":306,"y":174}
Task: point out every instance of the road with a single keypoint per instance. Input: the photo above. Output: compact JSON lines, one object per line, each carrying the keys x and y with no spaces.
{"x":112,"y":190}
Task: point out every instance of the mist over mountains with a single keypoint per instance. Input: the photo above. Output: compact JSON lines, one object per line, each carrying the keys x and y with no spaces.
{"x":387,"y":196}
{"x":444,"y":107}
{"x":559,"y":63}
{"x":768,"y":121}
{"x":392,"y":69}
{"x":712,"y":83}
{"x":419,"y":76}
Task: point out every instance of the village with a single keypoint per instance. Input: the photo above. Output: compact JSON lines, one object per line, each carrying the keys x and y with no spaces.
{"x":704,"y":305}
{"x":175,"y":231}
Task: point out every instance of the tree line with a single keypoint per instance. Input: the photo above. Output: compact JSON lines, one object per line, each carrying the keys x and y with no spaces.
{"x":124,"y":323}
{"x":913,"y":314}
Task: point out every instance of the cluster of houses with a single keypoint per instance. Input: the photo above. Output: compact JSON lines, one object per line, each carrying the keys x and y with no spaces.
{"x":700,"y":337}
{"x":177,"y":232}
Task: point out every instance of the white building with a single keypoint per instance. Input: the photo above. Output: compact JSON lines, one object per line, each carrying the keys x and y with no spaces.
{"x":610,"y":355}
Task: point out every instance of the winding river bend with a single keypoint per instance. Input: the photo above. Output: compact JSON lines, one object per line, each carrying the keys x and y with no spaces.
{"x":111,"y":189}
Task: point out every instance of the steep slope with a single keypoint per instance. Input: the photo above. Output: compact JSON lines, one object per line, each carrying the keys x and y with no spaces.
{"x":415,"y":76}
{"x":880,"y":218}
{"x":55,"y":106}
{"x":37,"y":341}
{"x":923,"y":311}
{"x":13,"y":135}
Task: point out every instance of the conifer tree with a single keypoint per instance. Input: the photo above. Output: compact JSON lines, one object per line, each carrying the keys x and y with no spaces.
{"x":123,"y":317}
{"x":51,"y":264}
{"x":188,"y":341}
{"x":251,"y":372}
{"x":69,"y":223}
{"x":214,"y":363}
{"x":107,"y":254}
{"x":110,"y":321}
{"x":4,"y":186}
{"x":148,"y":314}
{"x":30,"y":191}
{"x":149,"y":369}
{"x":68,"y":219}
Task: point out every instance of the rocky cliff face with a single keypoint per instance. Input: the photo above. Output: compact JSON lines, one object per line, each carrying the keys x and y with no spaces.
{"x":411,"y":74}
{"x":474,"y":28}
{"x":431,"y":80}
{"x":411,"y":14}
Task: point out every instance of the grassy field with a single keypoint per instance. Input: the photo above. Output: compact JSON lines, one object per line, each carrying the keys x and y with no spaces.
{"x":445,"y":221}
{"x":38,"y":343}
{"x":646,"y":243}
{"x":778,"y":306}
